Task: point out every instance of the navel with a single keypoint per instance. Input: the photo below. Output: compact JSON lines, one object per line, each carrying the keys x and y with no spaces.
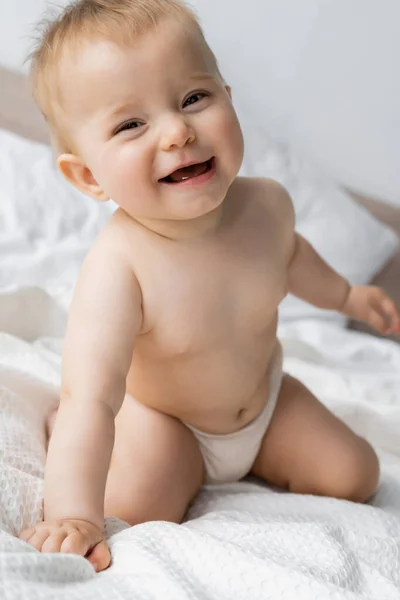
{"x":241,"y":414}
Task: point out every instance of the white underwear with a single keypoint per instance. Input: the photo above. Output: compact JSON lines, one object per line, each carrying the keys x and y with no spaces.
{"x":229,"y":457}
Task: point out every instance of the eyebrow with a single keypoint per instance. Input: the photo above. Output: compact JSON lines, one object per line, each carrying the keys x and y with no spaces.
{"x":200,"y":76}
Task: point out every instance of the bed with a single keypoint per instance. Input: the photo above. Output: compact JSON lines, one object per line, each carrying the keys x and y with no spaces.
{"x":244,"y":540}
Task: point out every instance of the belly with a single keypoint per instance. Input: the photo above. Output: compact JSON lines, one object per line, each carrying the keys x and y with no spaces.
{"x":218,"y":391}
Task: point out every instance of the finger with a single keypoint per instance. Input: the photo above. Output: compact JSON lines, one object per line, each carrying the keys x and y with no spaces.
{"x":100,"y":556}
{"x":54,"y":542}
{"x":26,"y":534}
{"x":39,"y":538}
{"x":382,"y":307}
{"x":76,"y":543}
{"x":392,"y":311}
{"x":377,"y":322}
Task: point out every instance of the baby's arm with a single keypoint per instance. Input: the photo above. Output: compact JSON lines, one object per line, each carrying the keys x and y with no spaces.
{"x":313,"y":280}
{"x":105,"y":317}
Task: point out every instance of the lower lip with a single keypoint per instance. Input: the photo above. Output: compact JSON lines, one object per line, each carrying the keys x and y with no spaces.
{"x":195,"y":181}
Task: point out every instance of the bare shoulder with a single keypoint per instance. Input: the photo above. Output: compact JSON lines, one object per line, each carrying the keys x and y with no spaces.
{"x":113,"y":244}
{"x":270,"y":195}
{"x":105,"y":315}
{"x":108,"y":264}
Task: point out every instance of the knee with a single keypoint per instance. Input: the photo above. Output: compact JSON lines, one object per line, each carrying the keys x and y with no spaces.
{"x":356,"y":476}
{"x":141,"y":512}
{"x":350,"y":474}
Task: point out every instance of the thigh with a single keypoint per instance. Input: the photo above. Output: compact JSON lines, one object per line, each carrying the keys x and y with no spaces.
{"x":308,"y":450}
{"x":156,"y":467}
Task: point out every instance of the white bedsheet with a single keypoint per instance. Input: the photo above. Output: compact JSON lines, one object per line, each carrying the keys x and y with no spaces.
{"x":242,"y":541}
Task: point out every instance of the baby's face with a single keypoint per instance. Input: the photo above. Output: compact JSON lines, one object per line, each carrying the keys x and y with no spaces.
{"x":140,"y":115}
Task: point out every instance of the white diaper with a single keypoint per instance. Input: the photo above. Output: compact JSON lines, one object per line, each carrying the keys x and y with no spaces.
{"x":229,"y":457}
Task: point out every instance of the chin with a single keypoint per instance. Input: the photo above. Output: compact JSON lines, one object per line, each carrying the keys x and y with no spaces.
{"x":202,"y":207}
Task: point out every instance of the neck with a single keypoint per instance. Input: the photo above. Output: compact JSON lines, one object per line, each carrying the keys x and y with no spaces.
{"x":191,"y":229}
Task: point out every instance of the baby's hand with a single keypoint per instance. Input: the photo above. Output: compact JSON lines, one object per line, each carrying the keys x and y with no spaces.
{"x":70,"y":536}
{"x":373,"y":305}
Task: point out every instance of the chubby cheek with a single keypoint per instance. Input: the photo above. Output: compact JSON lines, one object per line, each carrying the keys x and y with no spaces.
{"x":229,"y":140}
{"x":124,"y":172}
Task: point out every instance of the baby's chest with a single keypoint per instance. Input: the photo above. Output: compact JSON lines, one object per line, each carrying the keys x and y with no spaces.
{"x":211,"y":303}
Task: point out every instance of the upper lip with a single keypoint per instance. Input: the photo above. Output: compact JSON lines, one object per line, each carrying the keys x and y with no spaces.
{"x":183,"y":166}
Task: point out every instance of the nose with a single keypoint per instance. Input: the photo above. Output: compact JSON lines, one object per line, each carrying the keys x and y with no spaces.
{"x":176,"y":133}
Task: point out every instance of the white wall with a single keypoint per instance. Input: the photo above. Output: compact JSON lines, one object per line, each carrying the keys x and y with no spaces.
{"x":321,"y":74}
{"x":17,"y":20}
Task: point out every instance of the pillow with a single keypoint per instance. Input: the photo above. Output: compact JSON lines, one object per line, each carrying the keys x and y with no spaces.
{"x":344,"y":233}
{"x":46,"y":226}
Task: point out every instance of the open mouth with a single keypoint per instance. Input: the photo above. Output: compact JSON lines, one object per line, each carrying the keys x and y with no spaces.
{"x":189,"y":173}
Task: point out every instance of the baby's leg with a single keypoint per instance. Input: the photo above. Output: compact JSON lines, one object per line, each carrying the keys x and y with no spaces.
{"x":156,"y":467}
{"x":309,"y":451}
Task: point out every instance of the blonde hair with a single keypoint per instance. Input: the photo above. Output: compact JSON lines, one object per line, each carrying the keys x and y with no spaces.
{"x":120,"y":21}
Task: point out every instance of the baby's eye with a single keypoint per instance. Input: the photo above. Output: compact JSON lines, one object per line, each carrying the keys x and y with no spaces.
{"x":194,"y":98}
{"x":128,"y":125}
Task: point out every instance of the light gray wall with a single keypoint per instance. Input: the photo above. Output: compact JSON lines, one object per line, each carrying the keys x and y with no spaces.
{"x":17,"y":19}
{"x":322,"y":75}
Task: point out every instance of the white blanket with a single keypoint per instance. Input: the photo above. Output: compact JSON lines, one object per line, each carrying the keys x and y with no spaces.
{"x":242,"y":541}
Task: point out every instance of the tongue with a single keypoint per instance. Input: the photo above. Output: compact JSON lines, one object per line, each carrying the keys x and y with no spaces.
{"x":189,"y":172}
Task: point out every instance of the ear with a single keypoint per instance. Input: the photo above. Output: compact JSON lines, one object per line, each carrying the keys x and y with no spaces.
{"x":229,"y":90}
{"x":81,"y":177}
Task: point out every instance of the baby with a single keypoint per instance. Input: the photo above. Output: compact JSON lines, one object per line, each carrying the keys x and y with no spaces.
{"x":172,"y":371}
